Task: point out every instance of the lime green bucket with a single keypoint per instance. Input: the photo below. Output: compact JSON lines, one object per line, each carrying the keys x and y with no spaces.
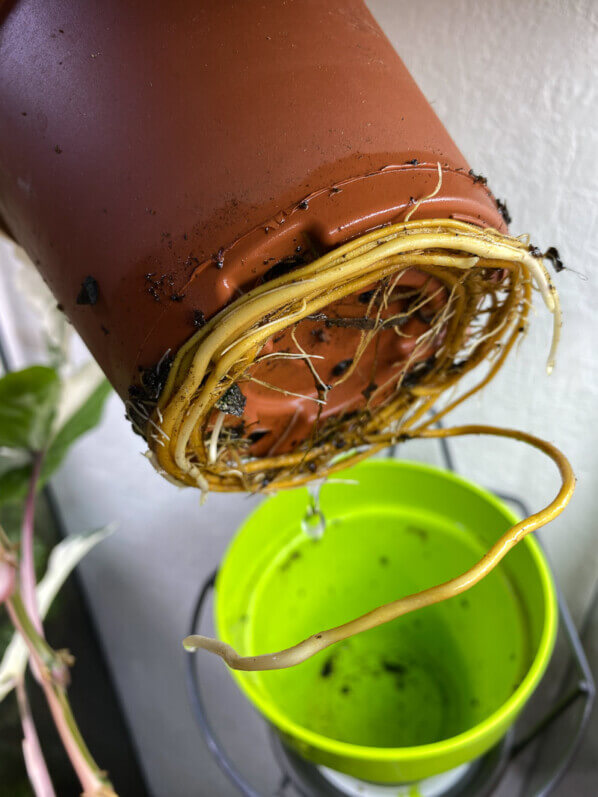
{"x":420,"y":695}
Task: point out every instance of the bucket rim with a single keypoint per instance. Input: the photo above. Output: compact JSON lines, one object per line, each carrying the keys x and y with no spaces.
{"x":504,"y":715}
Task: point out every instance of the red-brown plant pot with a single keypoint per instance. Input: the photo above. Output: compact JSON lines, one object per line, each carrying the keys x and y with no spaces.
{"x":157,"y":160}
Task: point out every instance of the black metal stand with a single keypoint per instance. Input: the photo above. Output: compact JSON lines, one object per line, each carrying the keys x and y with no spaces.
{"x":583,"y":689}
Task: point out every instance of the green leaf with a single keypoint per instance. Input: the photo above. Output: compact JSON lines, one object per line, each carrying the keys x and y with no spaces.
{"x":14,"y":483}
{"x":27,"y":405}
{"x":82,"y":420}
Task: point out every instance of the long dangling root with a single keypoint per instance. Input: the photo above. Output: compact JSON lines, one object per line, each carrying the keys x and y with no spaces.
{"x":488,"y":278}
{"x":390,"y":611}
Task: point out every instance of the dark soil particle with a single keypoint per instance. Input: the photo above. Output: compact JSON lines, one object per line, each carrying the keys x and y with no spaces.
{"x":394,"y":667}
{"x":535,"y":251}
{"x":89,"y":292}
{"x":366,"y":296}
{"x":289,"y":560}
{"x":413,"y":162}
{"x":421,"y":533}
{"x":552,"y":254}
{"x":303,"y":205}
{"x":159,"y":285}
{"x":268,"y":477}
{"x":57,"y":150}
{"x":152,"y":380}
{"x":60,"y":307}
{"x":504,"y":210}
{"x":146,"y":393}
{"x":312,"y":467}
{"x":320,"y":335}
{"x":367,"y":392}
{"x":327,"y":667}
{"x":199,"y":319}
{"x":342,"y":366}
{"x":232,"y":402}
{"x":218,"y":258}
{"x":345,"y":690}
{"x":105,"y":330}
{"x":176,"y":297}
{"x":478,"y":178}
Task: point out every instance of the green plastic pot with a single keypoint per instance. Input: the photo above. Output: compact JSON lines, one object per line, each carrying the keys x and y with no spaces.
{"x":420,"y":695}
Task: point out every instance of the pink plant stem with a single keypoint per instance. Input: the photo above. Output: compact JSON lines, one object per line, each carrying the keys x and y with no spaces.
{"x":93,"y":780}
{"x":39,"y":777}
{"x":27,"y":569}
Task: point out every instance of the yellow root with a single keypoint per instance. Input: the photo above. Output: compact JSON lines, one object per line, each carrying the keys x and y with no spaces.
{"x":390,"y":611}
{"x":461,"y":256}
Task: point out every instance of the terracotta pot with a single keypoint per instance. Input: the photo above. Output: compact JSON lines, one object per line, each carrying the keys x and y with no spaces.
{"x":176,"y":152}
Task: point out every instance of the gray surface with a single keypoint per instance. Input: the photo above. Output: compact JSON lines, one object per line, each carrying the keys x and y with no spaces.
{"x":582,"y":777}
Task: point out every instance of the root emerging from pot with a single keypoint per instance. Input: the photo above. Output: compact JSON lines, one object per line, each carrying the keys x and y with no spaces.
{"x":390,"y":611}
{"x":487,"y":278}
{"x":449,"y":589}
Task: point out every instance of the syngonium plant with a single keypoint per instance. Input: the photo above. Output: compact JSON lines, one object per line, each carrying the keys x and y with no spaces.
{"x":43,"y":411}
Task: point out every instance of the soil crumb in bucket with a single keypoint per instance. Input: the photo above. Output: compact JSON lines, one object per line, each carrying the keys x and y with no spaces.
{"x":421,"y":533}
{"x":290,"y":559}
{"x":372,"y":693}
{"x":327,"y":667}
{"x":394,"y":667}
